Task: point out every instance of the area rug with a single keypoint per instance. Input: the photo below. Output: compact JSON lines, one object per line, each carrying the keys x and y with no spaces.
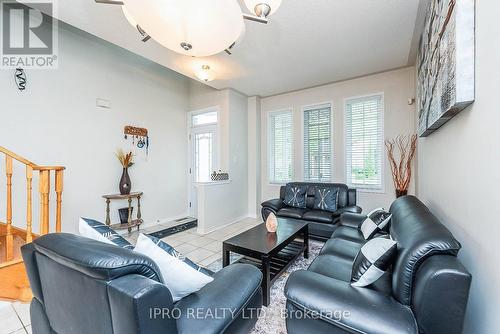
{"x":272,"y":322}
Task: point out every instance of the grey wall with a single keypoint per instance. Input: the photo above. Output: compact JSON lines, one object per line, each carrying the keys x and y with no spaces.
{"x":459,"y":177}
{"x":55,"y":121}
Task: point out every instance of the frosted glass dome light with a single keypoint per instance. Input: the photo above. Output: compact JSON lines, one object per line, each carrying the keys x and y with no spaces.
{"x":191,"y":27}
{"x":263,"y":8}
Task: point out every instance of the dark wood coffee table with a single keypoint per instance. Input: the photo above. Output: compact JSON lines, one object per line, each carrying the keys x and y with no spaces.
{"x":272,"y":253}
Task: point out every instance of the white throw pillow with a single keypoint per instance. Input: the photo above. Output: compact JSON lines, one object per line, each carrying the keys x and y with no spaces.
{"x":180,"y":278}
{"x":87,"y":231}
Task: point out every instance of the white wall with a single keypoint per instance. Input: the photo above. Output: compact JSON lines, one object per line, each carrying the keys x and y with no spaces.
{"x":222,"y":204}
{"x":397,"y":87}
{"x":459,"y":177}
{"x":55,"y":121}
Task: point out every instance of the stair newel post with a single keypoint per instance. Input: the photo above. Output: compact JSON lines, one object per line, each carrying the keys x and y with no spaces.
{"x":44,"y":187}
{"x":29,"y":206}
{"x":59,"y":190}
{"x":9,"y":251}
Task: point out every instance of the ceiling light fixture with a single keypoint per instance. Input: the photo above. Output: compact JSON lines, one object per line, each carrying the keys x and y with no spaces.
{"x":205,"y":74}
{"x":195,"y":28}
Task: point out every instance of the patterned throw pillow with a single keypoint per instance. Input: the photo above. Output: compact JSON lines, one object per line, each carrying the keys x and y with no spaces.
{"x":170,"y":250}
{"x":325,"y":198}
{"x":373,"y":259}
{"x":101,"y":232}
{"x":375,"y":222}
{"x":295,"y":196}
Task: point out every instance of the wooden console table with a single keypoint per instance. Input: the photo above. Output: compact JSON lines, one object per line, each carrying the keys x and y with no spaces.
{"x":131,"y":223}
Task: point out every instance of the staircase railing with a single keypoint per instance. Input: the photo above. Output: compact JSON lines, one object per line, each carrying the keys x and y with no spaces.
{"x":45,"y":174}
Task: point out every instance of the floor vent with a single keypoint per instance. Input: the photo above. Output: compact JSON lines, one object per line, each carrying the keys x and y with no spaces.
{"x":191,"y":223}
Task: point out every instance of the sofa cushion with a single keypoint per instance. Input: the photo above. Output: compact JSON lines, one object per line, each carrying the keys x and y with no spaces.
{"x":295,"y":195}
{"x":318,"y":216}
{"x":419,"y":235}
{"x":179,"y":277}
{"x":349,"y":233}
{"x":232,"y":289}
{"x":325,"y":198}
{"x":290,"y":212}
{"x":375,"y":222}
{"x":333,"y":266}
{"x":95,"y":230}
{"x":373,"y":259}
{"x":341,"y":247}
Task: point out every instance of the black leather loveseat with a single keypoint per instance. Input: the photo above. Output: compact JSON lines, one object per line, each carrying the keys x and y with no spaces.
{"x":82,"y":286}
{"x":426,"y":292}
{"x":321,"y":223}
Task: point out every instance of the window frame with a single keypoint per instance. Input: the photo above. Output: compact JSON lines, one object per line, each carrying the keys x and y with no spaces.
{"x":305,"y":108}
{"x":363,"y":188}
{"x":271,"y":181}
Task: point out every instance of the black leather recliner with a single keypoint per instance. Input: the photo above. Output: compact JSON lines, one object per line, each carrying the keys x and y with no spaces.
{"x":321,"y":223}
{"x":426,"y":292}
{"x":83,"y":286}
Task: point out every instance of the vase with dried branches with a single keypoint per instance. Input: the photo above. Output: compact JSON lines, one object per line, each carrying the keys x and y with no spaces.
{"x":401,"y":167}
{"x":126,"y":162}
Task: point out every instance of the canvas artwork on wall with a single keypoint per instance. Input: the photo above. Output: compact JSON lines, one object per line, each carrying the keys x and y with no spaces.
{"x":445,"y":63}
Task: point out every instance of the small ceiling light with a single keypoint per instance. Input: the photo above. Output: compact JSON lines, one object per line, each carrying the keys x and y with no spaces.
{"x":205,"y":74}
{"x":263,"y":8}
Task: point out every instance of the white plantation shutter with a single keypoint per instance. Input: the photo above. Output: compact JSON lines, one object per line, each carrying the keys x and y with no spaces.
{"x":280,"y":147}
{"x":318,"y":144}
{"x":364,"y":142}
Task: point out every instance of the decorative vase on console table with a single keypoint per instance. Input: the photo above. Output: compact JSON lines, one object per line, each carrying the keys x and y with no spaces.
{"x":126,"y":162}
{"x":401,"y":193}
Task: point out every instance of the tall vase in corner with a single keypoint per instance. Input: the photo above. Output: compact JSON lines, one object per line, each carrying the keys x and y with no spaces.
{"x":125,"y":184}
{"x":401,"y":193}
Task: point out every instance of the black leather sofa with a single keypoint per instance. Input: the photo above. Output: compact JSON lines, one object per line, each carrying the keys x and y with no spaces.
{"x":321,"y":223}
{"x":426,"y":292}
{"x":83,"y":286}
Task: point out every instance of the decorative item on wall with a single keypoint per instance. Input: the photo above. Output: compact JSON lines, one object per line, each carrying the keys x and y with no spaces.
{"x":219,"y":176}
{"x":445,"y":63}
{"x":138,"y":136}
{"x":401,"y":168}
{"x":271,"y":223}
{"x":20,"y":77}
{"x":126,"y":162}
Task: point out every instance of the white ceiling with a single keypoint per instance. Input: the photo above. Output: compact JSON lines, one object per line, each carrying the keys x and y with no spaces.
{"x":305,"y":44}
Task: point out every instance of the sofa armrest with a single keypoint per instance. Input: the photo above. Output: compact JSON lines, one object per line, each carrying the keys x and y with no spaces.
{"x":138,"y":302}
{"x":275,"y":204}
{"x":352,"y":209}
{"x":350,"y":219}
{"x":348,"y":308}
{"x":272,"y":205}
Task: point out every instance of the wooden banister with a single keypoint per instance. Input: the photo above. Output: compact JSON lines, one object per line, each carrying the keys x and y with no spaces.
{"x":29,"y":206}
{"x":44,"y":187}
{"x":59,"y":190}
{"x":16,"y":157}
{"x":9,"y":239}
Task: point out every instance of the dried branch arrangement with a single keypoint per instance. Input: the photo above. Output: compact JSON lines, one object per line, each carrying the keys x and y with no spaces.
{"x":401,"y":168}
{"x":124,"y":158}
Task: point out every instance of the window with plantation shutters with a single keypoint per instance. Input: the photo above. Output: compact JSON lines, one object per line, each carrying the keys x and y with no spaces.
{"x":318,"y":143}
{"x":364,"y":142}
{"x":280,"y":146}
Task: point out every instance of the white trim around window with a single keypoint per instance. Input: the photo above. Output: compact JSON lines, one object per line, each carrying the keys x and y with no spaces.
{"x":364,"y":142}
{"x":304,"y":109}
{"x":278,"y":175}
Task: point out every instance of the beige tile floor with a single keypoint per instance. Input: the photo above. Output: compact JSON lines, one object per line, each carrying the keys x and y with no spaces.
{"x":202,"y":249}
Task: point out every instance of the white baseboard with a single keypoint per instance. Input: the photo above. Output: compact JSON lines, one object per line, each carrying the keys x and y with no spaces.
{"x":233,"y":221}
{"x":164,"y":220}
